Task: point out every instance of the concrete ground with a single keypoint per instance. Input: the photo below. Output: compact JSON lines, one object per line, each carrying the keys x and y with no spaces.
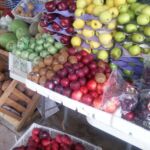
{"x":76,"y":125}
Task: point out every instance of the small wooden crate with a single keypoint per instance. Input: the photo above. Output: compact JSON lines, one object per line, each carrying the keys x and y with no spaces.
{"x":26,"y":111}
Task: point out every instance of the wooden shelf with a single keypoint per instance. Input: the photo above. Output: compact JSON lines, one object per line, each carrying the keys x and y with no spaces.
{"x":4,"y":53}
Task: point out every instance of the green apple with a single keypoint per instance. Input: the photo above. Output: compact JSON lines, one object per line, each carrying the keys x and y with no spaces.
{"x":139,"y":9}
{"x":88,"y":33}
{"x":123,"y":8}
{"x":105,"y":38}
{"x":81,"y":4}
{"x":137,"y":37}
{"x":103,"y":55}
{"x":79,"y":12}
{"x":130,"y":28}
{"x":146,"y":50}
{"x":78,"y":23}
{"x":135,"y":50}
{"x":58,"y":45}
{"x":131,"y":1}
{"x":113,"y":66}
{"x":119,"y":36}
{"x":123,"y":18}
{"x":95,"y":51}
{"x":95,"y":24}
{"x":131,"y":14}
{"x":147,"y":30}
{"x":116,"y":53}
{"x":52,"y":50}
{"x":127,"y":45}
{"x":50,"y":39}
{"x":143,"y":19}
{"x":94,"y":44}
{"x":133,"y":6}
{"x":105,"y":17}
{"x":128,"y":72}
{"x":146,"y":10}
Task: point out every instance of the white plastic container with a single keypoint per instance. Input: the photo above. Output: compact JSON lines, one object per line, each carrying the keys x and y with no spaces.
{"x":23,"y":140}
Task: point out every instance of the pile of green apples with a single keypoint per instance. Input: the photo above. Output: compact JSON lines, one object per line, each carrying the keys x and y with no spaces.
{"x":133,"y":30}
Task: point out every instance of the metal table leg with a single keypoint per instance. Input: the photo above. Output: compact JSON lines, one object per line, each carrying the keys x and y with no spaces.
{"x":65,"y":118}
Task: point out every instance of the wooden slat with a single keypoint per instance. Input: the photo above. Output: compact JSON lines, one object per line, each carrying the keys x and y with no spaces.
{"x":7,"y":92}
{"x":30,"y":110}
{"x":21,"y":96}
{"x":3,"y":52}
{"x":10,"y":114}
{"x":15,"y":105}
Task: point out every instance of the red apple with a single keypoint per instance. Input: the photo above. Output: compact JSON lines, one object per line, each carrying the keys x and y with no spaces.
{"x":78,"y":56}
{"x":80,"y":73}
{"x":56,"y":80}
{"x":84,"y":89}
{"x":67,"y":92}
{"x":92,"y":85}
{"x":46,"y":142}
{"x":43,"y":23}
{"x":49,"y":84}
{"x":64,"y":82}
{"x":65,"y":22}
{"x":94,"y":94}
{"x":79,"y":146}
{"x":93,"y":65}
{"x":129,"y":116}
{"x":65,"y":39}
{"x":58,"y":88}
{"x":70,"y":30}
{"x":72,"y":7}
{"x":86,"y":60}
{"x":50,"y":6}
{"x":72,"y":50}
{"x":61,"y":6}
{"x":51,"y":17}
{"x":87,"y":99}
{"x":56,"y":26}
{"x":99,"y":89}
{"x":82,"y":81}
{"x":80,"y":64}
{"x":62,"y":72}
{"x":85,"y":70}
{"x":97,"y":102}
{"x":84,"y":53}
{"x":77,"y":94}
{"x":75,"y":85}
{"x":72,"y":77}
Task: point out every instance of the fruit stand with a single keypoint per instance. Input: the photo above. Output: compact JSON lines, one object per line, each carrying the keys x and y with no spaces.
{"x":90,"y":56}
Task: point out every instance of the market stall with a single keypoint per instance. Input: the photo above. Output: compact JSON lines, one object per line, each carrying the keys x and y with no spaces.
{"x":90,"y":56}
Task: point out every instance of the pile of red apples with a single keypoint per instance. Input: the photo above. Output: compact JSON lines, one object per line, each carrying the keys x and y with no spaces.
{"x":82,"y":78}
{"x":41,"y":140}
{"x":58,"y":19}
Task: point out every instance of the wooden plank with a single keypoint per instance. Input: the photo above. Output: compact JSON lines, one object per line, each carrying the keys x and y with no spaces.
{"x":4,"y":53}
{"x":15,"y":105}
{"x":30,"y":110}
{"x":7,"y":92}
{"x":21,"y":96}
{"x":10,"y":114}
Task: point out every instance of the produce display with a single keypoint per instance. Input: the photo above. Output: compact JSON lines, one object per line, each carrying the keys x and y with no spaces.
{"x":74,"y":74}
{"x":29,"y":8}
{"x":34,"y":49}
{"x":58,"y":19}
{"x":41,"y":139}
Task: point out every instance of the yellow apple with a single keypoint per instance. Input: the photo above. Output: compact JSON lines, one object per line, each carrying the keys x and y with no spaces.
{"x":105,"y":38}
{"x":88,"y":33}
{"x":110,"y":45}
{"x":89,"y":2}
{"x":112,"y":25}
{"x":98,"y":2}
{"x":105,"y":17}
{"x":95,"y":24}
{"x":81,"y":3}
{"x":114,"y":12}
{"x":79,"y":12}
{"x":103,"y":55}
{"x":88,"y":23}
{"x":76,"y":41}
{"x":98,"y":9}
{"x":110,"y":3}
{"x":90,"y":9}
{"x":78,"y":23}
{"x":119,"y":2}
{"x":94,"y":44}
